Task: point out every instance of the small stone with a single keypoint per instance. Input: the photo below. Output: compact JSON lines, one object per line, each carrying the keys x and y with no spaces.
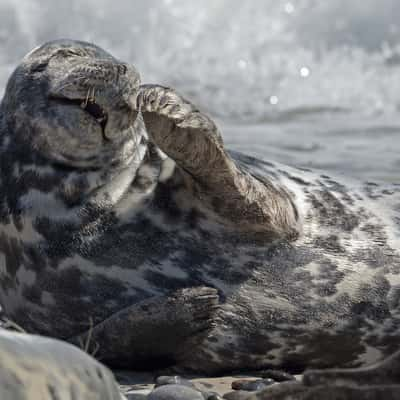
{"x":237,"y":395}
{"x":277,"y":375}
{"x":135,"y":396}
{"x":268,"y":381}
{"x":173,"y":380}
{"x":175,"y":392}
{"x":252,"y":386}
{"x":237,"y":385}
{"x":211,"y":396}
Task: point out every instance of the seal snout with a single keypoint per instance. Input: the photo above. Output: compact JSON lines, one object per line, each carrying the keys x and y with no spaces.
{"x":103,"y":88}
{"x":103,"y":80}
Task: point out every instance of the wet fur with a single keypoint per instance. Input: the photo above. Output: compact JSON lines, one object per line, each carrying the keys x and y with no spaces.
{"x":328,"y":298}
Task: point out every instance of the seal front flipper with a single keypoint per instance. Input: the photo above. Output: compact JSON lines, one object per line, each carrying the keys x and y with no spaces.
{"x":153,"y":332}
{"x":193,"y":141}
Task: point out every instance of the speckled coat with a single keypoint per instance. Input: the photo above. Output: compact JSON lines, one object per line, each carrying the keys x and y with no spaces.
{"x":77,"y":245}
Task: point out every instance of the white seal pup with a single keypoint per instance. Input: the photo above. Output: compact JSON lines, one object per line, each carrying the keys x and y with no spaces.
{"x":122,"y":213}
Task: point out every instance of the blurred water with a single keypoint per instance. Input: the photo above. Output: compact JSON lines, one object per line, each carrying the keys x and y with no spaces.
{"x":305,"y":82}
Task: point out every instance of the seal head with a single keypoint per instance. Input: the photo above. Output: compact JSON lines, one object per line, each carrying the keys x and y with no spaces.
{"x":72,"y":103}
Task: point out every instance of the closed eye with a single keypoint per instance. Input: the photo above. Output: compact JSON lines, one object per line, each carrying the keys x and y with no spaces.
{"x":39,"y":66}
{"x":68,"y":52}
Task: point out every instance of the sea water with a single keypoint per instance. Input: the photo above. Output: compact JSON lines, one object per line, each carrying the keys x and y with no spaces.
{"x":306,"y":82}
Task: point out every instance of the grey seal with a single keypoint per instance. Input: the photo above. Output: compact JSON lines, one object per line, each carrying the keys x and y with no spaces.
{"x":122,"y":215}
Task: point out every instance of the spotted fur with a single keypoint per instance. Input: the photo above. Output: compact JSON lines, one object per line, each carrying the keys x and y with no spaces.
{"x":83,"y":237}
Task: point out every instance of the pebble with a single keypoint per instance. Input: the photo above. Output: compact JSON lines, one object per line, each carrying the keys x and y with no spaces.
{"x":252,"y":386}
{"x":135,"y":396}
{"x":173,"y":380}
{"x":175,"y":392}
{"x":180,"y":388}
{"x":277,"y":375}
{"x":237,"y":395}
{"x":211,"y":396}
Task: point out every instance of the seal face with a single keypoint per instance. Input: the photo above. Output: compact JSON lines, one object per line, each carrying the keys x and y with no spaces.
{"x":121,"y":211}
{"x":70,"y":90}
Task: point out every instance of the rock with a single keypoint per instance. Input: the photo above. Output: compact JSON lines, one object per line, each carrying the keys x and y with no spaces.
{"x":277,"y":375}
{"x":173,"y":380}
{"x":36,"y":367}
{"x":237,"y":395}
{"x":175,"y":392}
{"x":211,"y":396}
{"x":135,"y":396}
{"x":252,"y":386}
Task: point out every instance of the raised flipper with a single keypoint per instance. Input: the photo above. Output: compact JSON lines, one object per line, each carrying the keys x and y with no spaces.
{"x":155,"y":332}
{"x":192,"y":140}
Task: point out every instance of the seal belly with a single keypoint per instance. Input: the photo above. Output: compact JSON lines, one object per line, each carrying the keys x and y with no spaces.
{"x":280,"y":323}
{"x":281,"y":304}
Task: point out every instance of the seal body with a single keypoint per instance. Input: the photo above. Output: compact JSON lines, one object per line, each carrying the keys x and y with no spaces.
{"x":90,"y":230}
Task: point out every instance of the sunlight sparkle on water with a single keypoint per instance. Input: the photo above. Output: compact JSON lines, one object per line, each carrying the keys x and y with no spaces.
{"x":289,"y":8}
{"x":242,"y":64}
{"x":274,"y":100}
{"x":304,"y":72}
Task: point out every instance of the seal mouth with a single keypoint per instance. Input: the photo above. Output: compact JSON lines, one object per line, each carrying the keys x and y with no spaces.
{"x":91,"y":107}
{"x":96,"y":111}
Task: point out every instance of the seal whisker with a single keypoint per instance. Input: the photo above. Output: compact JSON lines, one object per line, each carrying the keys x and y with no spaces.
{"x":74,"y":82}
{"x":85,"y":103}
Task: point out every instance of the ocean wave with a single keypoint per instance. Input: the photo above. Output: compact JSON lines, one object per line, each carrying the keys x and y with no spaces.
{"x":246,"y":60}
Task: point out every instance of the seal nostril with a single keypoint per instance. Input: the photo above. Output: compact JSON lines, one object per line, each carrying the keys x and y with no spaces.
{"x":122,"y":68}
{"x":98,"y":114}
{"x":94,"y":110}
